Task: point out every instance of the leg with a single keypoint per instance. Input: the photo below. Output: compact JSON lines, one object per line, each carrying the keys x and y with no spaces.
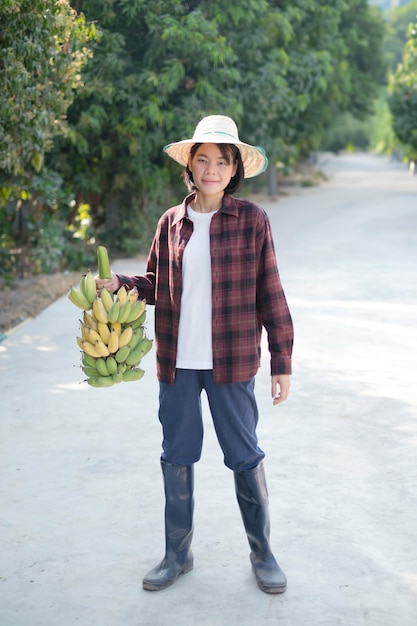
{"x":181,"y":419}
{"x":180,"y":416}
{"x":252,"y":496}
{"x":179,"y":507}
{"x":235,"y":416}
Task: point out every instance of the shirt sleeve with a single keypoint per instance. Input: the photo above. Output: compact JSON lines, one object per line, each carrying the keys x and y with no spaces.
{"x":145,"y":284}
{"x":272,"y":304}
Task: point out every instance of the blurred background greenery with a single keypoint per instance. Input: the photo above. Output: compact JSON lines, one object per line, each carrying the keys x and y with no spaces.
{"x":92,"y":91}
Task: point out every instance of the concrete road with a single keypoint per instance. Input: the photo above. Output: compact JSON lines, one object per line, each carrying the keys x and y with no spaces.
{"x":81,"y":516}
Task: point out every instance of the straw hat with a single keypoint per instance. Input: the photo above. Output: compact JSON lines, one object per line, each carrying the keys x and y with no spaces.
{"x":220,"y":129}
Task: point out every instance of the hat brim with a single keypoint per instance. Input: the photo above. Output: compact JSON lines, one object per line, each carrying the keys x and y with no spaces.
{"x":254,"y":158}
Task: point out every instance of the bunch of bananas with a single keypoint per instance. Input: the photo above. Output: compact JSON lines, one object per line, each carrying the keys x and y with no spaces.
{"x":113,"y":339}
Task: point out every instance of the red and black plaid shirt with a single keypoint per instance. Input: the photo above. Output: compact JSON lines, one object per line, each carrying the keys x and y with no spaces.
{"x":246,"y":291}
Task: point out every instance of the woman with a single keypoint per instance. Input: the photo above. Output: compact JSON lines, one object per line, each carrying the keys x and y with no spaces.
{"x":213,"y":278}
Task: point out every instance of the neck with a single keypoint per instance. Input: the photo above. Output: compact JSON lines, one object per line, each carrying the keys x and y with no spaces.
{"x":204,"y":204}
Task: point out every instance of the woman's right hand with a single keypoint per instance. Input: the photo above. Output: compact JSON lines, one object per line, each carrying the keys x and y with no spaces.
{"x":111,"y":284}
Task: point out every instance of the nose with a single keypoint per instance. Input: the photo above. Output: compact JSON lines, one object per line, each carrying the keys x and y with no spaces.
{"x":210,"y":167}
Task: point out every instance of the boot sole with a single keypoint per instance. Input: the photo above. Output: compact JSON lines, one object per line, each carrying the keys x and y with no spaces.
{"x":271,"y":589}
{"x":148,"y":586}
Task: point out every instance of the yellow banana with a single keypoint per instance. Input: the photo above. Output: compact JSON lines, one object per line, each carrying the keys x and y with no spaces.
{"x":101,"y":381}
{"x":111,"y":365}
{"x":99,"y":311}
{"x":90,"y":321}
{"x":90,"y":349}
{"x":90,"y":287}
{"x":102,"y":368}
{"x":79,"y":299}
{"x":104,"y":332}
{"x":124,"y":312}
{"x":107,"y":299}
{"x":113,"y":343}
{"x":101,"y":348}
{"x":122,"y":295}
{"x":132,"y":375}
{"x":117,"y":327}
{"x":133,"y":295}
{"x":114,"y":312}
{"x":89,"y":334}
{"x":125,"y":337}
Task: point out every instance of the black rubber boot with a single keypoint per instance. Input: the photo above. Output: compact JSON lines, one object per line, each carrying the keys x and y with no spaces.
{"x":179,"y":507}
{"x":252,"y":496}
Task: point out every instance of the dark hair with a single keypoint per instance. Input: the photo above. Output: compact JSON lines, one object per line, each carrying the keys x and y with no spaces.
{"x":231,"y":153}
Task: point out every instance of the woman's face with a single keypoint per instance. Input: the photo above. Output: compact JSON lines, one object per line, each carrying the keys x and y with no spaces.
{"x":211,"y":170}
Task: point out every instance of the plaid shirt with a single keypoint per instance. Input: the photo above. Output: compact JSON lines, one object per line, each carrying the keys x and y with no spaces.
{"x":246,"y":291}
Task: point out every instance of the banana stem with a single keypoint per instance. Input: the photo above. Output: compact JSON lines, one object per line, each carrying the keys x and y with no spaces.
{"x":103,"y":262}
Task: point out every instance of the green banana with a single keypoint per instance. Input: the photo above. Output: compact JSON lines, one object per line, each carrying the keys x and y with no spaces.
{"x":136,"y":337}
{"x":122,"y":354}
{"x":114,"y":312}
{"x":124,"y":312}
{"x":89,"y":361}
{"x":118,"y":377}
{"x":136,"y":311}
{"x":101,"y":381}
{"x":103,"y":262}
{"x":90,"y":287}
{"x":111,"y":365}
{"x":83,"y":288}
{"x":89,"y":371}
{"x":135,"y":356}
{"x":132,"y":375}
{"x":139,"y":321}
{"x":102,"y":368}
{"x":79,"y":299}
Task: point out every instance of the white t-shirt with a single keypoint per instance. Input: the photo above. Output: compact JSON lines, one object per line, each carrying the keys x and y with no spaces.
{"x":194,"y":350}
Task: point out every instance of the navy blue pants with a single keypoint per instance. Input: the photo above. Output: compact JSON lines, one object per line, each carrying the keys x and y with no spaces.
{"x":235,"y":416}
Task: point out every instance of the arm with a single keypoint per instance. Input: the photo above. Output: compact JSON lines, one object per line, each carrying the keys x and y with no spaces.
{"x":275,"y":316}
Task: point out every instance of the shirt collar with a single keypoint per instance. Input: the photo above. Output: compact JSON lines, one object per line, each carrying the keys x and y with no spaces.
{"x":229,"y":206}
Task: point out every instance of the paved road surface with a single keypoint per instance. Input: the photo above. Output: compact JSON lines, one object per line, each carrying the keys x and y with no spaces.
{"x":80,"y":485}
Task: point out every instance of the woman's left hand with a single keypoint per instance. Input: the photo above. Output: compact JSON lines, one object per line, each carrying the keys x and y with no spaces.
{"x":280,"y":388}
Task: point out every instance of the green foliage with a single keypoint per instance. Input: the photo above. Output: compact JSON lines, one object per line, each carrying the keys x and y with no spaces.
{"x":282,"y":68}
{"x":403,"y":97}
{"x":398,"y":22}
{"x":42,"y":50}
{"x":40,"y":63}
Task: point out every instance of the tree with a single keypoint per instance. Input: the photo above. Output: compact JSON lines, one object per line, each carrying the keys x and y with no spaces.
{"x":281,"y":68}
{"x":403,"y":96}
{"x":40,"y":63}
{"x":156,"y":68}
{"x":41,"y":55}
